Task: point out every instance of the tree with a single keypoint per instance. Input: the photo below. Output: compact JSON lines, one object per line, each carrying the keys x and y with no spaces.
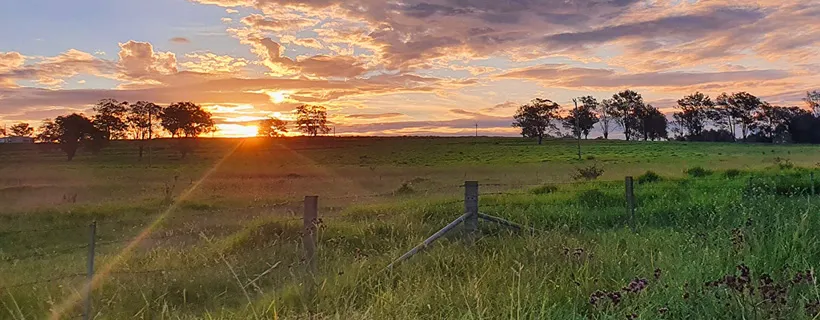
{"x":272,"y":127}
{"x":805,"y":128}
{"x":70,"y":132}
{"x":110,"y":118}
{"x":536,"y":118}
{"x":626,"y":105}
{"x":48,"y":132}
{"x":693,"y":114}
{"x":312,"y":120}
{"x":812,"y":99}
{"x":736,"y":109}
{"x":186,"y":118}
{"x":3,"y":131}
{"x":655,"y":124}
{"x":21,"y":129}
{"x":141,"y":122}
{"x":585,"y":119}
{"x":605,"y":113}
{"x":773,"y":121}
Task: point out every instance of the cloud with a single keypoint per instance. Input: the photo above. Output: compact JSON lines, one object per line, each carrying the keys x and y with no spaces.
{"x":180,"y":40}
{"x":139,"y":61}
{"x":260,"y":23}
{"x":682,"y":27}
{"x":208,"y":62}
{"x":319,"y":65}
{"x":52,"y":71}
{"x":573,"y":77}
{"x":370,"y":116}
{"x":500,"y":107}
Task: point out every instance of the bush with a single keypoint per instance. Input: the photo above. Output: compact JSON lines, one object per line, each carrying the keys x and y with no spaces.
{"x":789,"y":185}
{"x":404,"y":189}
{"x":649,"y":177}
{"x":783,"y":163}
{"x":698,"y":172}
{"x":732,"y":173}
{"x":545,"y":189}
{"x":588,"y":173}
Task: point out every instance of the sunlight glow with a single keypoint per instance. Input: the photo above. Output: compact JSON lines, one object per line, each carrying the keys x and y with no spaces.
{"x":232,"y":130}
{"x":278,"y":96}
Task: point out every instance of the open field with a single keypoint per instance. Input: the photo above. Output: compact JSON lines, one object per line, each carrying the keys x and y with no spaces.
{"x":217,"y":235}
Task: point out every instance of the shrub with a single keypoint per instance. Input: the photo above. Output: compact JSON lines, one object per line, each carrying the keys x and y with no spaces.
{"x":732,"y":173}
{"x":649,"y":177}
{"x":545,"y":189}
{"x":783,"y":163}
{"x":698,"y":172}
{"x":588,"y":173}
{"x":404,"y":189}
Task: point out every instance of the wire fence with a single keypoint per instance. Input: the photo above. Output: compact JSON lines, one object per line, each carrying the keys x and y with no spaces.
{"x":104,"y":237}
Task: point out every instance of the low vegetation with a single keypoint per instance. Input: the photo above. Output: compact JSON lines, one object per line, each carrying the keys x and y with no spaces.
{"x":225,"y":231}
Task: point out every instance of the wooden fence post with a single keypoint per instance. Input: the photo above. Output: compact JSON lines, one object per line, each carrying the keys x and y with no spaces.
{"x":90,"y":270}
{"x":471,"y":207}
{"x":630,"y":203}
{"x":309,"y":234}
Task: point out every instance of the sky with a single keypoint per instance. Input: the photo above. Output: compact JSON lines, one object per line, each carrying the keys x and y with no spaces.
{"x":408,"y":67}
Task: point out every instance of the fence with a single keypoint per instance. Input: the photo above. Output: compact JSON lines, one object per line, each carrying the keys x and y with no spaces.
{"x":311,"y":221}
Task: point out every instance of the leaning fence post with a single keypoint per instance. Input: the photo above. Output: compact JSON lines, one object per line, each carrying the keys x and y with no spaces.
{"x":630,"y":202}
{"x":309,"y":219}
{"x":90,"y":271}
{"x":471,"y":207}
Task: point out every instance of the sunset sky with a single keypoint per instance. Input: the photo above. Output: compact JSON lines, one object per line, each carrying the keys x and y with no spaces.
{"x":413,"y":67}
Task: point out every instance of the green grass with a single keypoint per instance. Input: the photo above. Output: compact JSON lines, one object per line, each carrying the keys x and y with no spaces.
{"x":228,"y":244}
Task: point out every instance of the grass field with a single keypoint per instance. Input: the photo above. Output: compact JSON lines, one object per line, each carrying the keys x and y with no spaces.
{"x":217,"y":235}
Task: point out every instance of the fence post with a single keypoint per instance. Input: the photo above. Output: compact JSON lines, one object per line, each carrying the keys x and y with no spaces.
{"x":309,"y":219}
{"x":471,"y":207}
{"x":630,"y":202}
{"x":90,"y":271}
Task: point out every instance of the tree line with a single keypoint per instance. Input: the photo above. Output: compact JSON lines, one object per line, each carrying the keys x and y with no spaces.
{"x":143,"y":121}
{"x":698,"y":118}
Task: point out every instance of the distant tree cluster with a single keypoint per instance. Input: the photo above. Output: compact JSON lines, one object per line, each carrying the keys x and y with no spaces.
{"x":310,"y":120}
{"x":701,"y":119}
{"x":730,"y":117}
{"x":114,"y":120}
{"x":625,"y":109}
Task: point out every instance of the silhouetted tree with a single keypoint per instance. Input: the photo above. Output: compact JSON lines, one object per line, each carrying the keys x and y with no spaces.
{"x":2,"y":131}
{"x":736,"y":109}
{"x":21,"y":129}
{"x":48,"y":132}
{"x":805,"y":128}
{"x":537,"y":118}
{"x":693,"y":114}
{"x":654,"y":124}
{"x":585,"y":119}
{"x":186,"y":118}
{"x":110,"y":118}
{"x":812,"y":100}
{"x":71,"y":131}
{"x":272,"y":127}
{"x":312,"y":120}
{"x":771,"y":122}
{"x":627,"y":106}
{"x":606,"y":110}
{"x":142,"y":120}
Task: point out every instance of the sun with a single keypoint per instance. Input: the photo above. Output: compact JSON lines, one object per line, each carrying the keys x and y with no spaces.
{"x":278,"y":96}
